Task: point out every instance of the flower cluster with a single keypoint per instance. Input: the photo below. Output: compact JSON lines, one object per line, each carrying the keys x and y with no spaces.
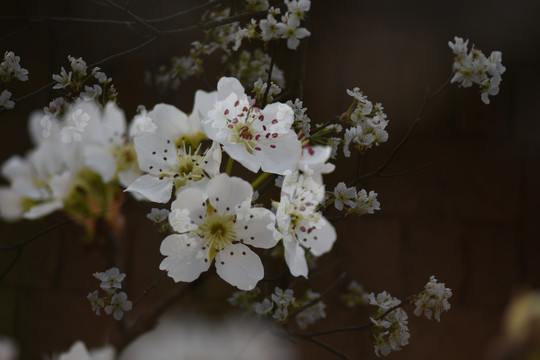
{"x":433,"y":300}
{"x":78,"y":83}
{"x":281,"y":304}
{"x":368,"y":123}
{"x":473,"y":67}
{"x":112,"y":302}
{"x":10,"y":69}
{"x":358,"y":203}
{"x":390,"y":329}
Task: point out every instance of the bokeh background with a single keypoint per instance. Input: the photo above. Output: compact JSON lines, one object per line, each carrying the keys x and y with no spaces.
{"x":470,"y":218}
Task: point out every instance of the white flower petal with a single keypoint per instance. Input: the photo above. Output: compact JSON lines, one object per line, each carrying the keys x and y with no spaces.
{"x":43,"y":209}
{"x":185,"y":260}
{"x":257,"y":229}
{"x":239,"y":266}
{"x":319,"y":240}
{"x":155,"y":153}
{"x":152,"y":188}
{"x":226,"y":193}
{"x":171,"y":121}
{"x":99,"y":159}
{"x":10,"y":204}
{"x":295,"y":257}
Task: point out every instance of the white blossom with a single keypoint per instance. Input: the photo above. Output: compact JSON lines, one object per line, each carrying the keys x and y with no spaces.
{"x":10,"y":68}
{"x":301,"y":226}
{"x":433,"y":300}
{"x":158,"y":215}
{"x":96,"y":302}
{"x":63,"y":79}
{"x":110,"y":279}
{"x":258,"y":139}
{"x":5,"y":101}
{"x":475,"y":68}
{"x":217,"y":222}
{"x":344,"y":196}
{"x":119,"y":304}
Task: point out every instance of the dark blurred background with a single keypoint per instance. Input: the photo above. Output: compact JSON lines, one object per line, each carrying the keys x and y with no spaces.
{"x":470,"y":218}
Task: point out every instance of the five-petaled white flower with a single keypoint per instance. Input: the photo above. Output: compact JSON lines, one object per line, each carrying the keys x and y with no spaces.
{"x":119,"y":304}
{"x":217,"y":222}
{"x":110,"y":279}
{"x":301,"y":226}
{"x":258,"y":139}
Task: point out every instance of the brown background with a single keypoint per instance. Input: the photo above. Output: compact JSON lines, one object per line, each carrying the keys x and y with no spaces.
{"x":470,"y":218}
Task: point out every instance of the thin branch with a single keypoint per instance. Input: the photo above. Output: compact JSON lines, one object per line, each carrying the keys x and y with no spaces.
{"x":36,"y":236}
{"x":215,"y":23}
{"x":135,"y":17}
{"x":68,"y":19}
{"x":403,"y":141}
{"x":109,"y":58}
{"x":205,"y":6}
{"x":150,"y":287}
{"x":269,"y":79}
{"x":13,"y":262}
{"x":327,"y":347}
{"x":408,"y":172}
{"x":314,"y":301}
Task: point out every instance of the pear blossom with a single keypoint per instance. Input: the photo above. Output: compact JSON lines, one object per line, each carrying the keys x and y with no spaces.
{"x":217,"y":223}
{"x":168,"y":149}
{"x":119,"y":303}
{"x":158,"y":215}
{"x":109,"y":150}
{"x":475,"y":68}
{"x":258,"y":139}
{"x":5,"y":101}
{"x":96,"y":302}
{"x":263,"y":308}
{"x":168,"y":166}
{"x":302,"y":228}
{"x":390,"y":332}
{"x":110,"y":279}
{"x":344,"y":196}
{"x":270,"y":28}
{"x":366,"y":203}
{"x":41,"y":182}
{"x":10,"y":68}
{"x":294,"y":33}
{"x":63,"y":79}
{"x":433,"y":300}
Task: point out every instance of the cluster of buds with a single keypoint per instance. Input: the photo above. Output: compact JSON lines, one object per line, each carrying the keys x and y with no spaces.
{"x":112,"y":302}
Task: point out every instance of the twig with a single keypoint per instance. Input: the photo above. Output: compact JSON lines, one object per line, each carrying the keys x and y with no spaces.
{"x":36,"y":236}
{"x":150,"y":287}
{"x":269,"y":79}
{"x":403,"y":141}
{"x":314,"y":301}
{"x":102,"y":61}
{"x":327,"y":347}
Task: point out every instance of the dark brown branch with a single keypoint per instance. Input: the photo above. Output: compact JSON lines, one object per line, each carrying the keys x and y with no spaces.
{"x":380,"y":169}
{"x":314,"y":301}
{"x":150,"y":287}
